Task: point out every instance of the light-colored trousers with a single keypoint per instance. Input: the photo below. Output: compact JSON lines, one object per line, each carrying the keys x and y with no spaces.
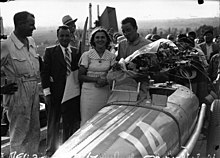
{"x":24,"y":123}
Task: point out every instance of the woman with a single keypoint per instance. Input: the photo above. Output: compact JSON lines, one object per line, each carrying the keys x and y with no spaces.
{"x":94,"y":65}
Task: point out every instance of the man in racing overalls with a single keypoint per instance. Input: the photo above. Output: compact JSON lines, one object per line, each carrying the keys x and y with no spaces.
{"x":19,"y":62}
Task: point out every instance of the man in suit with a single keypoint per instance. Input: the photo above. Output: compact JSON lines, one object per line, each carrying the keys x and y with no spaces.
{"x":208,"y":47}
{"x":61,"y":89}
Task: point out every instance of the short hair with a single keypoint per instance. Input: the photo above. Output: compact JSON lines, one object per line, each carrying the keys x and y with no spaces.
{"x":155,"y":37}
{"x":181,"y":35}
{"x":191,"y":34}
{"x":63,"y":27}
{"x":208,"y":31}
{"x":170,"y":37}
{"x":130,"y":20}
{"x":116,"y":35}
{"x":148,"y":36}
{"x":99,"y":29}
{"x":21,"y":17}
{"x":187,"y":40}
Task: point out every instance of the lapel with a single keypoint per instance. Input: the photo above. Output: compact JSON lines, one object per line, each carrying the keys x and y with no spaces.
{"x":59,"y":55}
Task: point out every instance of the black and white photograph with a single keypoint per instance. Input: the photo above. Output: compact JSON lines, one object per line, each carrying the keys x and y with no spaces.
{"x":110,"y":78}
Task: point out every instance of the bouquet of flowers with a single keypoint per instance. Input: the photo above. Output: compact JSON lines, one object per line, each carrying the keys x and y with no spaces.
{"x":152,"y":57}
{"x":148,"y":60}
{"x":167,"y":53}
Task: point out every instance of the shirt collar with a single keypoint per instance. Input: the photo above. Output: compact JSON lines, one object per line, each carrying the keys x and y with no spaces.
{"x":63,"y":48}
{"x":136,"y":41}
{"x":18,"y":43}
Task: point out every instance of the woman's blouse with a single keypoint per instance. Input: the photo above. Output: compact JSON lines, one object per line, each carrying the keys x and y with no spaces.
{"x":97,"y":66}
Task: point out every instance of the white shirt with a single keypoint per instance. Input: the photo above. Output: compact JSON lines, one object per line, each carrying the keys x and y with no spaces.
{"x":64,"y":52}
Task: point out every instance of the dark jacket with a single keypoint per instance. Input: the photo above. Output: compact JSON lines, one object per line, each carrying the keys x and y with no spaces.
{"x":53,"y":74}
{"x":215,"y":48}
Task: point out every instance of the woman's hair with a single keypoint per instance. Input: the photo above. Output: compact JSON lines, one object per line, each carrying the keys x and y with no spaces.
{"x":99,"y":29}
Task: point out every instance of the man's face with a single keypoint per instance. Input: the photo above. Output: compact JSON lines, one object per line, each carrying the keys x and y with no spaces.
{"x":28,"y":26}
{"x":64,"y":37}
{"x":72,"y":27}
{"x":208,"y":37}
{"x":129,"y":32}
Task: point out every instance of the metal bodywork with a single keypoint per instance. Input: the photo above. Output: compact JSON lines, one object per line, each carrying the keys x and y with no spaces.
{"x":140,"y":129}
{"x":213,"y":140}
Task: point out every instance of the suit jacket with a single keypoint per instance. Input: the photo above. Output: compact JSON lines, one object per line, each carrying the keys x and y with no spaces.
{"x":53,"y":74}
{"x":215,"y":48}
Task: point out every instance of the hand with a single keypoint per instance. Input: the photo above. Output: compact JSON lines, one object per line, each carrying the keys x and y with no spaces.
{"x":116,"y":67}
{"x":48,"y":99}
{"x":132,"y":66}
{"x":101,"y":82}
{"x":9,"y":88}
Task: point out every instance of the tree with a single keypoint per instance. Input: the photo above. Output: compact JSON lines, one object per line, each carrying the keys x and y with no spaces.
{"x":200,"y":31}
{"x":154,"y":30}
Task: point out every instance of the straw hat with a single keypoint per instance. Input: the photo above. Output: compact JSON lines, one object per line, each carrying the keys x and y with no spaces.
{"x":67,"y":19}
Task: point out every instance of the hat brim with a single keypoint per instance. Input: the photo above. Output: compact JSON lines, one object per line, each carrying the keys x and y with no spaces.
{"x":71,"y":21}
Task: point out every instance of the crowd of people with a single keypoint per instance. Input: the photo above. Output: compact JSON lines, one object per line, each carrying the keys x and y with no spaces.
{"x":74,"y":83}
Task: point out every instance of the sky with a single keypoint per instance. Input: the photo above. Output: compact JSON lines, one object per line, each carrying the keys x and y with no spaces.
{"x":50,"y":12}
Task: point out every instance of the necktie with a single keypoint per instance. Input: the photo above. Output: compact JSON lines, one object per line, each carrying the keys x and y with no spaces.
{"x":68,"y":63}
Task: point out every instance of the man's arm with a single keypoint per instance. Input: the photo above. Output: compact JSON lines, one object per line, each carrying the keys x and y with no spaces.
{"x":118,"y":57}
{"x":12,"y":87}
{"x":46,"y":71}
{"x":46,"y":74}
{"x":75,"y":58}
